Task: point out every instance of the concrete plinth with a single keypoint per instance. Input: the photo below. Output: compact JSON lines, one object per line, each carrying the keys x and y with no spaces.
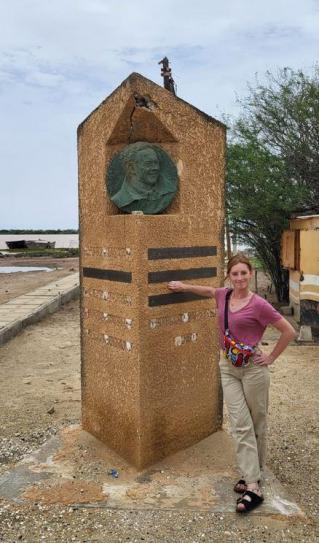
{"x":150,"y":381}
{"x":200,"y":478}
{"x":305,"y":334}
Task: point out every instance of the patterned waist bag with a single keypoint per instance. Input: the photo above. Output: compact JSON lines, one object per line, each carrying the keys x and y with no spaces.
{"x":237,"y":352}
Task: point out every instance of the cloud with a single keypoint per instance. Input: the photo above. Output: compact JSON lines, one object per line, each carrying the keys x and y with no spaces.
{"x":59,"y":60}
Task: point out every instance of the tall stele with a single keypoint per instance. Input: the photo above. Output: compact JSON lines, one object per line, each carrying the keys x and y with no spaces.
{"x":142,"y":177}
{"x":149,"y":356}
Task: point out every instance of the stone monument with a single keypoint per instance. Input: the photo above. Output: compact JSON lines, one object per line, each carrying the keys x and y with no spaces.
{"x":151,"y":191}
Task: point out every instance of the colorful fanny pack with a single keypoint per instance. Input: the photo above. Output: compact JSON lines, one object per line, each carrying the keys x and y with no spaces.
{"x":237,"y":352}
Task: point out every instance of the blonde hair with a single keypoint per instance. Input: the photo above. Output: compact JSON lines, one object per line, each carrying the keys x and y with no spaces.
{"x":239,"y":258}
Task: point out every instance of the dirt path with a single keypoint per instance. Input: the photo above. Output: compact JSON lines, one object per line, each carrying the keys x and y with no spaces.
{"x":39,"y":372}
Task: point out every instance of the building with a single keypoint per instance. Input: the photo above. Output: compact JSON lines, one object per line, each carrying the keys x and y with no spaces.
{"x":300,"y":254}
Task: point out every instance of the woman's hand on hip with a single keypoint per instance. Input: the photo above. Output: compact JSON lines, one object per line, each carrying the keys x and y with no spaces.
{"x":262,"y":359}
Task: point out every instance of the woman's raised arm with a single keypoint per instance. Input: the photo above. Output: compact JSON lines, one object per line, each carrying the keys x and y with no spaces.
{"x":178,"y":286}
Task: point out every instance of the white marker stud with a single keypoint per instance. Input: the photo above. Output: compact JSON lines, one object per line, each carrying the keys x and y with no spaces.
{"x":128,"y":323}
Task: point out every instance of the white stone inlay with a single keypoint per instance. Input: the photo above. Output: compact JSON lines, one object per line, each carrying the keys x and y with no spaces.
{"x":179,"y":166}
{"x":128,"y":323}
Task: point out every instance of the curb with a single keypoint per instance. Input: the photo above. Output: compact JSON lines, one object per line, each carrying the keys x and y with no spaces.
{"x":37,"y":314}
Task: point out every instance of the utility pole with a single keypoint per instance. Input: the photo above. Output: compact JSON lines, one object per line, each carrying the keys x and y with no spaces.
{"x":166,"y":73}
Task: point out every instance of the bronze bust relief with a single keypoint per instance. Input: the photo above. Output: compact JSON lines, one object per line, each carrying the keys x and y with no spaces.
{"x":142,"y":177}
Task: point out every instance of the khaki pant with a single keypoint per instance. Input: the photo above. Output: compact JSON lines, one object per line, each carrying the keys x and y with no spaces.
{"x":246,"y":396}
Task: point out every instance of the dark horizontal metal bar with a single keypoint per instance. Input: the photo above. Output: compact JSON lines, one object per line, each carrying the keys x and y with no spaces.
{"x":174,"y":298}
{"x":180,"y":275}
{"x":181,"y":252}
{"x":109,"y":275}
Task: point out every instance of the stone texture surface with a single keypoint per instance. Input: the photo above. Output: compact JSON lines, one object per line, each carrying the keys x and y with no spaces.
{"x":150,"y":382}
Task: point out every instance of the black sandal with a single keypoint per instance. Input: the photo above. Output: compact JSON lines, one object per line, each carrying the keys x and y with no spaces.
{"x":240,"y":487}
{"x":251,"y":504}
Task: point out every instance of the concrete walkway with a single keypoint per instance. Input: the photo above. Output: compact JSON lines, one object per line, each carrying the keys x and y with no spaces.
{"x":33,"y":306}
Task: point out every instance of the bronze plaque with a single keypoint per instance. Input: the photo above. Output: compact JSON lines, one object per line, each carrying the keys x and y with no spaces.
{"x":142,"y":177}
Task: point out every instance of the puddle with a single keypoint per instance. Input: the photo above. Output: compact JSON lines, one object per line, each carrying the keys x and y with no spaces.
{"x":14,"y":269}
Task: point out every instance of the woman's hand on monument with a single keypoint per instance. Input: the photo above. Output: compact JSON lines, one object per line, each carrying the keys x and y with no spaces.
{"x":176,"y":286}
{"x":200,"y":290}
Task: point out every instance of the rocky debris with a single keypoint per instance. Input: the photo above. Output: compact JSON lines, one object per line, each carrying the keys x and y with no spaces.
{"x":57,"y":524}
{"x":12,"y":449}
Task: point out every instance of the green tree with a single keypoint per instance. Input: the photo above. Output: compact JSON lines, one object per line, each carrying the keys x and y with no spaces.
{"x":260,"y":200}
{"x":273,"y":164}
{"x":283,"y":116}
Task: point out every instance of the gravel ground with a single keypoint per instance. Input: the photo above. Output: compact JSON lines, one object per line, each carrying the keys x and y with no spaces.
{"x":40,"y":392}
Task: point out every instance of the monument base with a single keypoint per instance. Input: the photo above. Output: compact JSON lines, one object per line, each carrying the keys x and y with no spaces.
{"x":150,"y":375}
{"x":74,"y":469}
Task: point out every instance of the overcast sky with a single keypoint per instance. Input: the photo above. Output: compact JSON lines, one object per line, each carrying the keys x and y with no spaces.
{"x":60,"y":58}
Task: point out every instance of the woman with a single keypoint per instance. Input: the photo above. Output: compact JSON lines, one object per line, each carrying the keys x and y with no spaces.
{"x":245,"y":388}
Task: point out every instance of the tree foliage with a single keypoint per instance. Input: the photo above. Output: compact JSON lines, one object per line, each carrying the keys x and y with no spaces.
{"x":260,"y":201}
{"x":283,"y":115}
{"x":273,"y":164}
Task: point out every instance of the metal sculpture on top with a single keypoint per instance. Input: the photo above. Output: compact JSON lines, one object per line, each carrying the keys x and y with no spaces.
{"x":166,"y":73}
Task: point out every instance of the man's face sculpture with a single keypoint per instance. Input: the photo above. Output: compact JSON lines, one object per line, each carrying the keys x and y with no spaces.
{"x":148,"y":167}
{"x":142,"y":177}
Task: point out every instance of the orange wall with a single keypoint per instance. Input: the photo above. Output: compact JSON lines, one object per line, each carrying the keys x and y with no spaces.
{"x":288,"y":249}
{"x":309,"y":251}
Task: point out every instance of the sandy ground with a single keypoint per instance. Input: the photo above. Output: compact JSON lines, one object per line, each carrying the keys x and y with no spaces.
{"x":40,"y":393}
{"x":18,"y":283}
